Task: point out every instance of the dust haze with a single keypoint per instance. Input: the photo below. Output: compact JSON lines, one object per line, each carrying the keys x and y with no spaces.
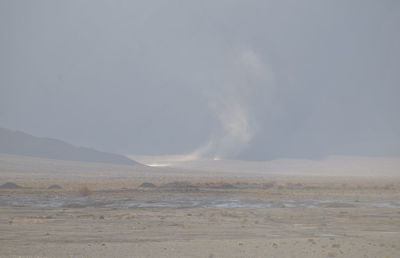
{"x":250,"y":80}
{"x":230,"y":128}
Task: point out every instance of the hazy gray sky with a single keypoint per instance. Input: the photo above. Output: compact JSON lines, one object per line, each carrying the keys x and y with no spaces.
{"x":232,"y":79}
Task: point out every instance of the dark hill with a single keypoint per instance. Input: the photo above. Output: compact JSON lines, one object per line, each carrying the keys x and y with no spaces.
{"x":10,"y":185}
{"x":19,"y":143}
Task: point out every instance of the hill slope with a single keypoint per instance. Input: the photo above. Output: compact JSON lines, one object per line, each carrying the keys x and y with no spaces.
{"x":19,"y":143}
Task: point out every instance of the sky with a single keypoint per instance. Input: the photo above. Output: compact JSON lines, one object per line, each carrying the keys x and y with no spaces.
{"x":230,"y":79}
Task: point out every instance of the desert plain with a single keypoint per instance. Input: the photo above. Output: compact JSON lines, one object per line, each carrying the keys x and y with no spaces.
{"x":102,"y":210}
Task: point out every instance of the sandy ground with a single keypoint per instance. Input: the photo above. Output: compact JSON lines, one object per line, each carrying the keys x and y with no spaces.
{"x":198,"y":215}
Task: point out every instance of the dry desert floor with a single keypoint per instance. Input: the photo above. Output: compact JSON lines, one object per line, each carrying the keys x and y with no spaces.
{"x":198,"y":215}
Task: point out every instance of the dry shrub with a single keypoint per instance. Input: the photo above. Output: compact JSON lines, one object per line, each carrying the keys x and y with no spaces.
{"x":85,"y":191}
{"x":217,"y":185}
{"x":389,"y":187}
{"x":270,"y":184}
{"x":226,"y":213}
{"x":179,"y":184}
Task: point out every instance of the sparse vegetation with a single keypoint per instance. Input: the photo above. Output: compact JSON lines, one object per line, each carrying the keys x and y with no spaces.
{"x":269,"y":184}
{"x":85,"y":191}
{"x":226,"y":213}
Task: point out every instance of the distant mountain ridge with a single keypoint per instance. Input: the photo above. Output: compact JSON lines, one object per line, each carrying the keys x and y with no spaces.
{"x":20,"y":143}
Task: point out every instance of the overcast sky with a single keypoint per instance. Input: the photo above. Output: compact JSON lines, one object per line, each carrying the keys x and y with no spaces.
{"x":238,"y":79}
